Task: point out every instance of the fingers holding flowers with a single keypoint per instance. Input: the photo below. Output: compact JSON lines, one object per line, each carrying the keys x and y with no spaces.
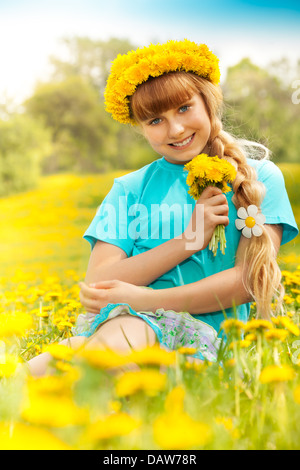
{"x":211,"y":210}
{"x":205,"y":172}
{"x":215,"y":201}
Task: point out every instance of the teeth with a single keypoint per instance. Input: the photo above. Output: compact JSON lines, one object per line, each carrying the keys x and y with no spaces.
{"x":186,"y":141}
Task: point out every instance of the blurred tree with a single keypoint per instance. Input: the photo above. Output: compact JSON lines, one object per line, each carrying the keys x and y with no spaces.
{"x":91,"y":60}
{"x":88,"y":58}
{"x":80,"y":130}
{"x":24,"y":143}
{"x":8,"y":106}
{"x":259,"y":107}
{"x":84,"y":136}
{"x":285,"y":70}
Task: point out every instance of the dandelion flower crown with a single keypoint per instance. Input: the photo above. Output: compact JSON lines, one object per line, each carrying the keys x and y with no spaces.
{"x":136,"y":67}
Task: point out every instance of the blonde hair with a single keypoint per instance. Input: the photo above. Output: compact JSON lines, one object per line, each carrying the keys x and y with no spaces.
{"x":263,"y":279}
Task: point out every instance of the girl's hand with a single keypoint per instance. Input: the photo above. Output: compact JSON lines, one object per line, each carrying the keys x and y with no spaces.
{"x":211,"y":209}
{"x":95,"y":296}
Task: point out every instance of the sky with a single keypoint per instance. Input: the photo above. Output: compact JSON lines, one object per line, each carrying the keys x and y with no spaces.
{"x":30,"y":31}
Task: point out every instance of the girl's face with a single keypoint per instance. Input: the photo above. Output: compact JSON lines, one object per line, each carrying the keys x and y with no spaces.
{"x":180,"y":134}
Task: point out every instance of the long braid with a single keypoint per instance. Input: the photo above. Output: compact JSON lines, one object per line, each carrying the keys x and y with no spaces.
{"x":263,"y":280}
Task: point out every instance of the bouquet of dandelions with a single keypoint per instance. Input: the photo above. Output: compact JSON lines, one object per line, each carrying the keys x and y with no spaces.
{"x":204,"y":171}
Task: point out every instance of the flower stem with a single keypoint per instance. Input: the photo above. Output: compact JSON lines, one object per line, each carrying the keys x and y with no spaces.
{"x":218,"y":236}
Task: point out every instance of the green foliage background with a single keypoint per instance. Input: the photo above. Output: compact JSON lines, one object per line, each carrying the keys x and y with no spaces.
{"x":63,"y":126}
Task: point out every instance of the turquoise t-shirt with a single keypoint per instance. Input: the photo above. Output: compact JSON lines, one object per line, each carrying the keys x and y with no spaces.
{"x":149,"y":206}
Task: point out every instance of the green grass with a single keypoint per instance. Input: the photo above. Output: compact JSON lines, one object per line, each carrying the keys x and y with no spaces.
{"x":240,"y":403}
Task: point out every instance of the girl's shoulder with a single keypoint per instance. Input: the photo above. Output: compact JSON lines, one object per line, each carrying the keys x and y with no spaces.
{"x":267,"y":171}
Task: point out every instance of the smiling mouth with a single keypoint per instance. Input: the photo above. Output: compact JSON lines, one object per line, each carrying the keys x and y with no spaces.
{"x":183,"y":143}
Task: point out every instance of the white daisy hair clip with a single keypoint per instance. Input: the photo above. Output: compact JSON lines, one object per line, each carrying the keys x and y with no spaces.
{"x":248,"y":221}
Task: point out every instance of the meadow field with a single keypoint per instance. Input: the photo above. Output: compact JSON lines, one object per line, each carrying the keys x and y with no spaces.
{"x":249,"y":399}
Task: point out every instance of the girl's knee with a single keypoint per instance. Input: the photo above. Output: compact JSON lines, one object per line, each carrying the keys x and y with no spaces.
{"x":74,"y":341}
{"x":125,"y":332}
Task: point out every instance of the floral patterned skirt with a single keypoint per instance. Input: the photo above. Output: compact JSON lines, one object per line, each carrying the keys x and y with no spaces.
{"x":173,"y":329}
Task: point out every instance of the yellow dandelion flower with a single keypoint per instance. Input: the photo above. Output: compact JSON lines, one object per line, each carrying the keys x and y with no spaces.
{"x":54,"y":412}
{"x":59,"y":351}
{"x":227,"y":423}
{"x":198,"y":366}
{"x":230,"y":362}
{"x":180,"y":431}
{"x":214,"y":175}
{"x":49,"y":385}
{"x":187,"y":350}
{"x":63,"y":366}
{"x":103,"y":358}
{"x":288,"y":299}
{"x":204,"y":171}
{"x":47,"y":308}
{"x":37,"y":348}
{"x":131,"y":69}
{"x":287,"y":323}
{"x":250,"y":337}
{"x":224,"y":421}
{"x":8,"y":365}
{"x":114,"y":405}
{"x":73,"y":305}
{"x":225,"y":188}
{"x":113,"y":425}
{"x":21,"y":436}
{"x":175,"y":429}
{"x":52,"y":296}
{"x":257,"y":324}
{"x":243,"y":343}
{"x":153,"y":355}
{"x":61,"y":325}
{"x":296,"y":394}
{"x":175,"y":400}
{"x":232,"y":324}
{"x":42,"y":313}
{"x":276,"y":373}
{"x":15,"y":324}
{"x":151,"y":382}
{"x":190,"y":179}
{"x":276,"y":333}
{"x":290,"y":314}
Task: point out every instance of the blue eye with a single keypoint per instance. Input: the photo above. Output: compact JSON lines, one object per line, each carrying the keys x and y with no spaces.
{"x":155,"y":121}
{"x":183,"y":109}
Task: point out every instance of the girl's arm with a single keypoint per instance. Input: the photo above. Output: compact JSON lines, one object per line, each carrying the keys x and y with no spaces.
{"x":219,"y":291}
{"x":109,"y":262}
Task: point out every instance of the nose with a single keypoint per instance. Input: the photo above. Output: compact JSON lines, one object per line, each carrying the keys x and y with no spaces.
{"x":175,"y":129}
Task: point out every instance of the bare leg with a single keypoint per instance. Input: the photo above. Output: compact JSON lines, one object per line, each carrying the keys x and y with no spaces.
{"x":122,"y":334}
{"x":119,"y":334}
{"x":38,"y":365}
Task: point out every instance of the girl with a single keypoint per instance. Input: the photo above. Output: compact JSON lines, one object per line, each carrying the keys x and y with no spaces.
{"x":149,"y":232}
